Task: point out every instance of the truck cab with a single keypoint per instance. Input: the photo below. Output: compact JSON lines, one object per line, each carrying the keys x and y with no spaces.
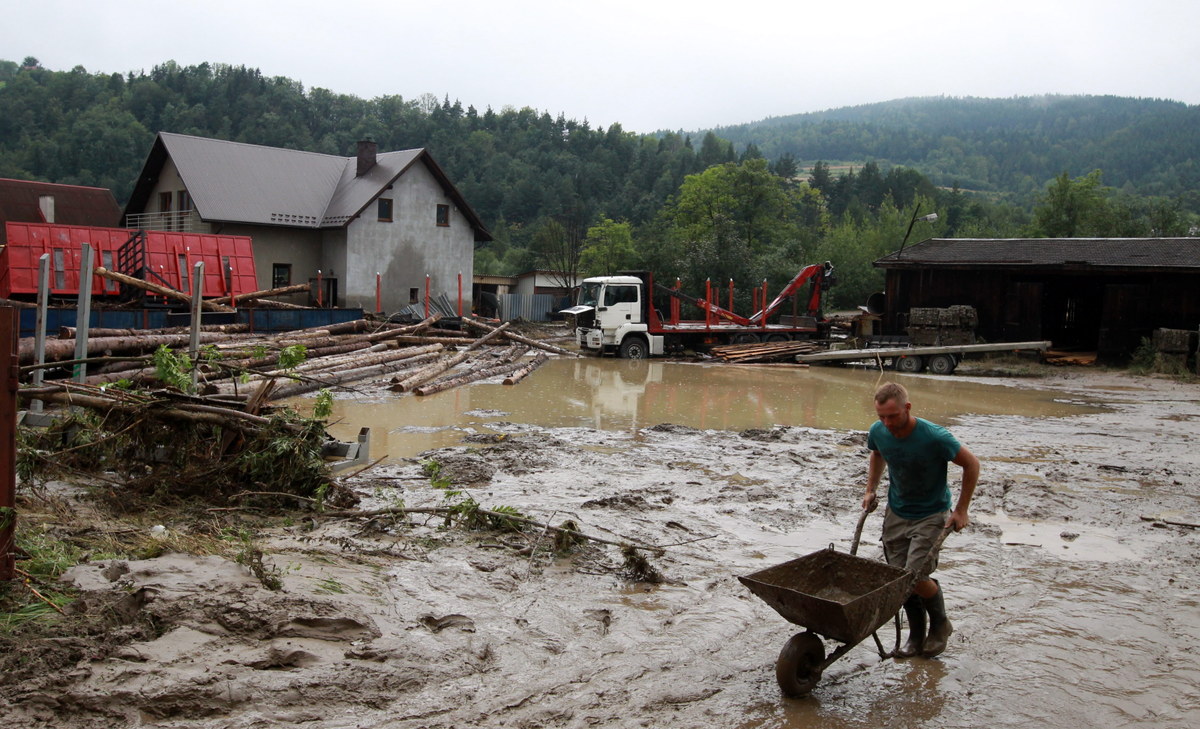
{"x":610,"y":315}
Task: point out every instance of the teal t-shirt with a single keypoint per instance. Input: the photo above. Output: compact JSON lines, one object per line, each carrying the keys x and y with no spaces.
{"x":916,"y":465}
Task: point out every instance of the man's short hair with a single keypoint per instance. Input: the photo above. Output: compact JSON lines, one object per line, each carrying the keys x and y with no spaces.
{"x":891,"y":391}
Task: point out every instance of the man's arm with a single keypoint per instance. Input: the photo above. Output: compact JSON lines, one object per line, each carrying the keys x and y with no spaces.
{"x":874,"y":473}
{"x":970,"y":476}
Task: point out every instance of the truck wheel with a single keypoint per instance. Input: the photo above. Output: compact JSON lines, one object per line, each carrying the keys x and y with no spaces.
{"x":745,"y":338}
{"x":778,"y":338}
{"x":942,"y":364}
{"x":634,"y":348}
{"x":911,"y":364}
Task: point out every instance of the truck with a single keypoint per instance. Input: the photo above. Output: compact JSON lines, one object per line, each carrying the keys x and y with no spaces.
{"x":634,"y":317}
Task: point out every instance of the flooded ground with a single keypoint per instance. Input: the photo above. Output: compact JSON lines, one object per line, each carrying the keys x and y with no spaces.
{"x":622,"y":395}
{"x":1073,"y":597}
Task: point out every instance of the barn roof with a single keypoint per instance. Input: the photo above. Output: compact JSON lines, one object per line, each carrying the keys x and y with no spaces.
{"x":73,"y":204}
{"x":1159,"y":253}
{"x":250,"y":183}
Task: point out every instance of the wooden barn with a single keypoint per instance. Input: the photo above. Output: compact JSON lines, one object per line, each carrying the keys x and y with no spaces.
{"x":1088,"y":294}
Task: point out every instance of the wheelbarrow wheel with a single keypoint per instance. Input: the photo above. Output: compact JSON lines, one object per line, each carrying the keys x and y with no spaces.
{"x":797,"y":670}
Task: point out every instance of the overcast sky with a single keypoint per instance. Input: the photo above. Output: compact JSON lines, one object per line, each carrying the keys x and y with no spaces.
{"x":648,"y":64}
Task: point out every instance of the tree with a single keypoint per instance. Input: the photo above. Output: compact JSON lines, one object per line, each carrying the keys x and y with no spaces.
{"x":1073,"y":208}
{"x":557,"y":249}
{"x":608,"y":248}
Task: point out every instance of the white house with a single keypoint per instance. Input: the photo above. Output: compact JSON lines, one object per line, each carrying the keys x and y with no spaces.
{"x":395,"y":215}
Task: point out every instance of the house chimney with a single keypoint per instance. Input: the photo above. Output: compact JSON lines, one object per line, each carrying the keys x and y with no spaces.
{"x":366,"y":157}
{"x":46,"y":205}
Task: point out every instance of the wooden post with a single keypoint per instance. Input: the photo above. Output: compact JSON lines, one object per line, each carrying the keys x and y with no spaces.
{"x":460,"y":294}
{"x":426,"y":296}
{"x":731,"y":294}
{"x":378,"y":293}
{"x":320,"y":292}
{"x":9,"y":330}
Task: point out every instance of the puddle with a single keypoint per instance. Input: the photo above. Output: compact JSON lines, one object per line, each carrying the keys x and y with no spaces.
{"x":1062,"y":539}
{"x":623,"y":395}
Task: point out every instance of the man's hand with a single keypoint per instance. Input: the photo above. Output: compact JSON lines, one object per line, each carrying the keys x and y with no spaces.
{"x":958,"y":519}
{"x":870,"y":501}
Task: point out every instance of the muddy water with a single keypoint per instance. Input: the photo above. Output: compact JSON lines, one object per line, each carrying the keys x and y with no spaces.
{"x":622,"y":395}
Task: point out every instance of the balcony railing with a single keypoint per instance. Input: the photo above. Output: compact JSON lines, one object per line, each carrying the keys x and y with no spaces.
{"x":179,"y":221}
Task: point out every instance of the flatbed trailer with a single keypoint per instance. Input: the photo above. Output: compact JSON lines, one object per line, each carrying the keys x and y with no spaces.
{"x":939,"y":359}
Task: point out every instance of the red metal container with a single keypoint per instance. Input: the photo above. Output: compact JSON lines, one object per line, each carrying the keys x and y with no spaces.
{"x":228,"y":259}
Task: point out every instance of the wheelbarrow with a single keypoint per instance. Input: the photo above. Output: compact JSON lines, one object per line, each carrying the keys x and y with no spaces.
{"x":835,"y":596}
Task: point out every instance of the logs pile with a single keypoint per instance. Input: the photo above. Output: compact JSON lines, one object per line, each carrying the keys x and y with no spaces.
{"x":415,"y":358}
{"x":763,"y":351}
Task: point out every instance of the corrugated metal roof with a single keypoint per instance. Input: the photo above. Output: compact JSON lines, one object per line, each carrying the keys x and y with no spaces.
{"x":1033,"y":252}
{"x":248,"y":183}
{"x":73,"y":204}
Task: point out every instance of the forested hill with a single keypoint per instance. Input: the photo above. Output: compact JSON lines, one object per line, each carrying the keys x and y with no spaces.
{"x":1145,"y":146}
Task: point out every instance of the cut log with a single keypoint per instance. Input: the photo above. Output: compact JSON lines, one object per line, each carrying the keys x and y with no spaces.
{"x":62,"y":349}
{"x":523,"y":340}
{"x":429,"y":373}
{"x":256,"y":295}
{"x":478,"y":374}
{"x":523,"y":371}
{"x":156,"y":289}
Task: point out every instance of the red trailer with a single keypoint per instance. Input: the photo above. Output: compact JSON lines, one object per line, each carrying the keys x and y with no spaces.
{"x":161,"y":257}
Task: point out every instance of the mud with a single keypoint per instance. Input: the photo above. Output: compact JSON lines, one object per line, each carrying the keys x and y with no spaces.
{"x":1073,"y":601}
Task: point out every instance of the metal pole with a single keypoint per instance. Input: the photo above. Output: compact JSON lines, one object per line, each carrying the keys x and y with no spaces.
{"x":39,"y":334}
{"x":83,"y":315}
{"x":9,"y":367}
{"x":426,"y":296}
{"x":194,"y":346}
{"x":460,"y":294}
{"x":707,"y":303}
{"x":320,"y":293}
{"x":731,"y":294}
{"x":378,"y":293}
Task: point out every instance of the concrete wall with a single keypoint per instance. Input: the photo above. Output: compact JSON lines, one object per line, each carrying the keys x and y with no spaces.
{"x":411,"y":246}
{"x":299,"y":247}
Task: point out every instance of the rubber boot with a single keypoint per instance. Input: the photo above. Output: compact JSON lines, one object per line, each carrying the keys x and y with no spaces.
{"x":939,"y":625}
{"x":916,"y":627}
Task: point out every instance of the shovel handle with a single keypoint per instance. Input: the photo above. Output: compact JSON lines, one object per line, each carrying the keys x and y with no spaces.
{"x":862,"y":519}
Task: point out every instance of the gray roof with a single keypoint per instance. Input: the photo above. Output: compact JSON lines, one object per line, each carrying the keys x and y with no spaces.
{"x":1168,"y":253}
{"x":234,"y":182}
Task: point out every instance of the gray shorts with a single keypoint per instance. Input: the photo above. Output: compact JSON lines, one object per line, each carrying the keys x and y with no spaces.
{"x":907,"y":543}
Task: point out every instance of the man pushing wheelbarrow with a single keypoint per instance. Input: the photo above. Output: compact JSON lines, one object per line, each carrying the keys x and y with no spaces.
{"x":916,"y":453}
{"x":845,"y":598}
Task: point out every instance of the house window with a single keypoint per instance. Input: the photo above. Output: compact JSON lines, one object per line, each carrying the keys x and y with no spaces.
{"x":385,"y":210}
{"x":414,"y":295}
{"x":185,"y":200}
{"x":443,"y":215}
{"x":281,"y":275}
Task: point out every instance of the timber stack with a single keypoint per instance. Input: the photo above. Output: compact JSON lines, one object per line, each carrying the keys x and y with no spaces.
{"x":755,"y":352}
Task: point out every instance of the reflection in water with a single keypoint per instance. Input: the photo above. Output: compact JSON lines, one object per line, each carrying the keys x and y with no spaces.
{"x":615,"y":394}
